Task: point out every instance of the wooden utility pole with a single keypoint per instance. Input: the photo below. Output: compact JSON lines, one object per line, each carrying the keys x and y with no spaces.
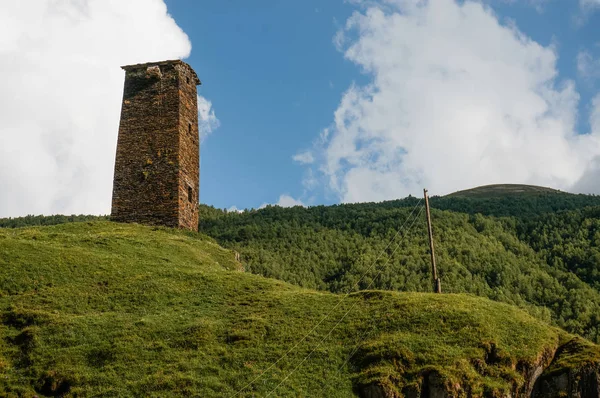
{"x":437,"y":286}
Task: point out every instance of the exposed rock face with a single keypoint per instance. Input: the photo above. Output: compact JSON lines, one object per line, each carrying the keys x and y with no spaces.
{"x":430,"y":386}
{"x":568,"y":372}
{"x":574,"y":372}
{"x":433,"y":387}
{"x":532,"y":371}
{"x":156,"y":178}
{"x":572,"y":384}
{"x":583,"y":383}
{"x":376,"y":391}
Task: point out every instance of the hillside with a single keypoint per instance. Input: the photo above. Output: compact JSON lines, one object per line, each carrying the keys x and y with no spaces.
{"x":495,"y":190}
{"x":40,"y":220}
{"x":513,"y":200}
{"x":542,"y":254}
{"x":100,"y":308}
{"x":329,"y":247}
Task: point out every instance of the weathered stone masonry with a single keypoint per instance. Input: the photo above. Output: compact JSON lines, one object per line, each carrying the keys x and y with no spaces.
{"x":156,"y":178}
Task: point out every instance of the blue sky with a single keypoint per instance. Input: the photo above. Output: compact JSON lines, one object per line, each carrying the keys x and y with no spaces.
{"x":307,"y":102}
{"x":275,"y":78}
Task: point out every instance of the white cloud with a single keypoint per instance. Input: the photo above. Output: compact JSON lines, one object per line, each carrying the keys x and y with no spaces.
{"x":284,"y":201}
{"x":60,"y":95}
{"x":288,"y":201}
{"x":589,"y":4}
{"x":587,"y":66}
{"x":234,"y":209}
{"x":539,"y":5}
{"x":447,"y":109}
{"x":305,"y":157}
{"x":595,"y":115}
{"x":590,"y":180}
{"x":207,"y":120}
{"x":309,"y":180}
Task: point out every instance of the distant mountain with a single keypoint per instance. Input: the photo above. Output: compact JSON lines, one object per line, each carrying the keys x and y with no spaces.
{"x":495,"y":190}
{"x":513,"y":200}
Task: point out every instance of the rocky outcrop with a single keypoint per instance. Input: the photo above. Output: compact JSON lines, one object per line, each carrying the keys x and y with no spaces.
{"x":581,"y":383}
{"x":571,"y":371}
{"x":532,"y":371}
{"x":574,"y":372}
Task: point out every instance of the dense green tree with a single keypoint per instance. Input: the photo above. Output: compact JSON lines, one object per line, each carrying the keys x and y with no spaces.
{"x":540,"y":251}
{"x":548,"y":264}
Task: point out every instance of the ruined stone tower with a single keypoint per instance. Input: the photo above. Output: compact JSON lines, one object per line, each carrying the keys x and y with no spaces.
{"x":157,"y":164}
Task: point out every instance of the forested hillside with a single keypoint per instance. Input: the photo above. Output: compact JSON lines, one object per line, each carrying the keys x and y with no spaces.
{"x":568,"y":241}
{"x":532,"y":247}
{"x":541,"y":254}
{"x":523,"y":204}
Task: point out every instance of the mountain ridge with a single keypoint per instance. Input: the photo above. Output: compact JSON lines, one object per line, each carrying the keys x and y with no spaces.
{"x":494,"y":190}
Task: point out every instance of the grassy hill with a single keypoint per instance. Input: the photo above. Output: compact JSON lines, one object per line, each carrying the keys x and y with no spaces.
{"x":513,"y":200}
{"x":104,"y":309}
{"x":39,"y":220}
{"x":495,"y":190}
{"x":330,"y":247}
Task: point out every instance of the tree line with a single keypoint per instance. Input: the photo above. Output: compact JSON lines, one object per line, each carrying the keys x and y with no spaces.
{"x":543,"y":260}
{"x":538,"y":251}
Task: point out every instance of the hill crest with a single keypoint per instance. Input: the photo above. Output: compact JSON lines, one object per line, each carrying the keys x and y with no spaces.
{"x":495,"y":190}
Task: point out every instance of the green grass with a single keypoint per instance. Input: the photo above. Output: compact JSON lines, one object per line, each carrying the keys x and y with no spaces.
{"x":106,"y":309}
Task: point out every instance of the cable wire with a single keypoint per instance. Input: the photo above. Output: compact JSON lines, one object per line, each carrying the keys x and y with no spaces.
{"x":341,"y":319}
{"x":334,"y":308}
{"x":366,"y":333}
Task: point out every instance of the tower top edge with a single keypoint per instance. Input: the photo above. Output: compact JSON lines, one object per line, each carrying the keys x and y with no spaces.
{"x":159,"y":63}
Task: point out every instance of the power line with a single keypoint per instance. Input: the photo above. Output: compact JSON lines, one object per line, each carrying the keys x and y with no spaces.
{"x":334,"y":308}
{"x":367,"y":332}
{"x":341,"y":319}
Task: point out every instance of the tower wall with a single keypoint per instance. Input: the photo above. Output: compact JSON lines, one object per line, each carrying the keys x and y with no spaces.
{"x":156,"y":178}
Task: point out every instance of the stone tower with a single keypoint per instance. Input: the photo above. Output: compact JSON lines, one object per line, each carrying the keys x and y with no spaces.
{"x":157,"y":164}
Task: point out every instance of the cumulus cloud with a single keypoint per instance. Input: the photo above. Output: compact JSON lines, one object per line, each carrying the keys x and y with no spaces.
{"x":455,"y":100}
{"x":207,"y":120}
{"x":587,"y":66}
{"x":305,"y":157}
{"x":539,"y":5}
{"x":589,"y":4}
{"x":595,"y":115}
{"x":288,"y":201}
{"x":234,"y":209}
{"x":590,"y":180}
{"x":285,"y":201}
{"x":61,"y":92}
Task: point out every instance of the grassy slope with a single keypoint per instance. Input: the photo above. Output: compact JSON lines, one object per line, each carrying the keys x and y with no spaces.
{"x":521,"y":201}
{"x":487,"y":191}
{"x":119,"y":310}
{"x":329,"y":248}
